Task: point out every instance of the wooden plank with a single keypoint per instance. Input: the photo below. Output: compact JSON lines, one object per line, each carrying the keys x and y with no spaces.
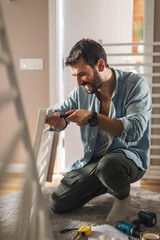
{"x":53,"y":156}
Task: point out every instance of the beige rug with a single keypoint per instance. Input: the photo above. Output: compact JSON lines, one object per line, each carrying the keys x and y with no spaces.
{"x":92,"y":214}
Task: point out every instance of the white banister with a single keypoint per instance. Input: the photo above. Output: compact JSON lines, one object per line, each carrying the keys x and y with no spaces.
{"x":32,"y":221}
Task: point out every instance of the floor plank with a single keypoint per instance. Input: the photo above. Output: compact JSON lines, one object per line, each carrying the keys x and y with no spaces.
{"x":14,"y":182}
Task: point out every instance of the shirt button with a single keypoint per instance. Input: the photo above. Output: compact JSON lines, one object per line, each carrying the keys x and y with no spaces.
{"x":93,"y":137}
{"x":90,"y":150}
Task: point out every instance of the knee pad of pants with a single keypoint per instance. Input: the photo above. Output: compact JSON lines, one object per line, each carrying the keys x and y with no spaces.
{"x":58,"y":205}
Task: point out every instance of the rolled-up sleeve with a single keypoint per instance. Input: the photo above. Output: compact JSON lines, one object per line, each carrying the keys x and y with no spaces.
{"x":126,"y":125}
{"x":138,"y":109}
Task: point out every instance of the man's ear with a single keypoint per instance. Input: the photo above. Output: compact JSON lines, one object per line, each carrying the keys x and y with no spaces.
{"x":100,"y":65}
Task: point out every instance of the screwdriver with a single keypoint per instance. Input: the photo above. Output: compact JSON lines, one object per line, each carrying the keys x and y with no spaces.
{"x":65,"y":115}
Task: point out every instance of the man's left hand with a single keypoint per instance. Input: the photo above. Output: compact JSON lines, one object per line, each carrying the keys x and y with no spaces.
{"x":80,"y":117}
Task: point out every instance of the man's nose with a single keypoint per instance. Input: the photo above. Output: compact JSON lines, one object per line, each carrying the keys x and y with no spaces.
{"x":79,"y":81}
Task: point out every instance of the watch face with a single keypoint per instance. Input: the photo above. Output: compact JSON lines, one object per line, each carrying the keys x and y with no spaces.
{"x":93,"y":121}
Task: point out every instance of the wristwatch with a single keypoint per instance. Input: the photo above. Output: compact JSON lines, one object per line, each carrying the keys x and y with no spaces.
{"x":93,"y":121}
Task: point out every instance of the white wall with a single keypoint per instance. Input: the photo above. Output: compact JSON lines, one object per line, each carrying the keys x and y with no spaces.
{"x":110,"y":20}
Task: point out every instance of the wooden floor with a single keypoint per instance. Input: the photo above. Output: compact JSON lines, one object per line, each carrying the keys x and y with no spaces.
{"x":14,"y":182}
{"x":149,"y":185}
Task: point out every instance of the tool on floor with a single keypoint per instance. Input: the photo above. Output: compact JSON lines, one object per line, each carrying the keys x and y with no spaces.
{"x":83,"y":231}
{"x":148,"y":219}
{"x":68,"y":229}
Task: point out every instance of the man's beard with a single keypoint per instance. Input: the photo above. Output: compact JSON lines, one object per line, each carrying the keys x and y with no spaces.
{"x":93,"y":87}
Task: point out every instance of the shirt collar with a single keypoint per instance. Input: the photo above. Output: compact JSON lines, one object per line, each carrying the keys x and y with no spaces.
{"x":116,"y":85}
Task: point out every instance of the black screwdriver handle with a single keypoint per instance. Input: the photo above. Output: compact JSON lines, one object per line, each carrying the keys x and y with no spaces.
{"x":64,"y":115}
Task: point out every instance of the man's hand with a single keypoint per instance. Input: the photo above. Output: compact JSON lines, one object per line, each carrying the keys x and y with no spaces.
{"x":80,"y":117}
{"x":55,"y":122}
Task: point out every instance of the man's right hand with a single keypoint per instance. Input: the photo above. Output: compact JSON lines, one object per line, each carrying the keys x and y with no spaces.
{"x":54,"y":121}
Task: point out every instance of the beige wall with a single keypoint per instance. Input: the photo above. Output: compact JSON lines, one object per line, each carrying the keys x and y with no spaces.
{"x":27,"y":27}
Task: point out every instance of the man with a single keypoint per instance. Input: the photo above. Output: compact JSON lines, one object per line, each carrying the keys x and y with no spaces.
{"x":112,"y":108}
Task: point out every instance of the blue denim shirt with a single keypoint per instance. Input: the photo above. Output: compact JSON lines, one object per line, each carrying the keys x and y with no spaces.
{"x":131,"y":103}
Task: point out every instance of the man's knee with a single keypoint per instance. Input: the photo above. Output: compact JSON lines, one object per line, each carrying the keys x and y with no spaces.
{"x":58,"y":205}
{"x":113,"y":173}
{"x":109,"y":166}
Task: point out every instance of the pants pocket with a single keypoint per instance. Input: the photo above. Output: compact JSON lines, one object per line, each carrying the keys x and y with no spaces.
{"x":69,"y":181}
{"x":79,"y":175}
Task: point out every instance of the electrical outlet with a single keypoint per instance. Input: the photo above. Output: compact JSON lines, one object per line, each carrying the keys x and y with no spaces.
{"x":31,"y":64}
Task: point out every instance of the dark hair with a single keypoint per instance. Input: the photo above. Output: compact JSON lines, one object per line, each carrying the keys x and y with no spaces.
{"x":90,"y":50}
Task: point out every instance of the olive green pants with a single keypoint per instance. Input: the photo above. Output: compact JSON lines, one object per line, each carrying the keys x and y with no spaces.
{"x":114,"y":171}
